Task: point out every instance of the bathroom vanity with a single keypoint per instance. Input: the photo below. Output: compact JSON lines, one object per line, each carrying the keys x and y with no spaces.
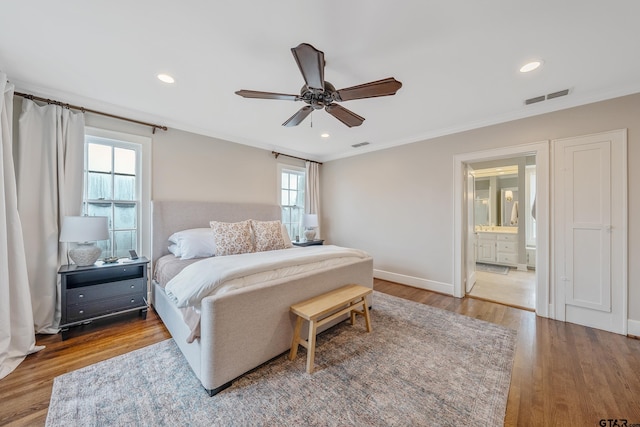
{"x":497,"y":245}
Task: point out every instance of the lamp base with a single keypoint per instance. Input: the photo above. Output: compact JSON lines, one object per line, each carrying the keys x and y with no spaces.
{"x":309,"y":234}
{"x":85,"y":254}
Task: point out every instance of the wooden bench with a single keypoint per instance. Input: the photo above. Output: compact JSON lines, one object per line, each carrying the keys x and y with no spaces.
{"x":322,"y":309}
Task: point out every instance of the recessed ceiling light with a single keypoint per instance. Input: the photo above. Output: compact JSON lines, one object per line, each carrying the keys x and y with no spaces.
{"x":166,"y":78}
{"x":530,"y":66}
{"x":325,"y":135}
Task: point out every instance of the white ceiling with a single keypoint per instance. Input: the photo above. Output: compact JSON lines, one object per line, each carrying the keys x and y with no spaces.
{"x":458,"y":61}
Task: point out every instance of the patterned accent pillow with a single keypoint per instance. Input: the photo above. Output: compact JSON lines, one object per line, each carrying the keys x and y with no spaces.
{"x":267,"y":235}
{"x":232,"y":237}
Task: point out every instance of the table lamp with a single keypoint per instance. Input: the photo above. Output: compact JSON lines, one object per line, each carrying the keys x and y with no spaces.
{"x":85,"y":231}
{"x":310,"y":222}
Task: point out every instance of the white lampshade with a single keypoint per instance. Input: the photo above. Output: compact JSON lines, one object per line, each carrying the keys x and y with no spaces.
{"x":84,"y":230}
{"x":310,"y":220}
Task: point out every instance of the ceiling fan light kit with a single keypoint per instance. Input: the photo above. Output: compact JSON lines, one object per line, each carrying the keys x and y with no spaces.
{"x":318,"y":93}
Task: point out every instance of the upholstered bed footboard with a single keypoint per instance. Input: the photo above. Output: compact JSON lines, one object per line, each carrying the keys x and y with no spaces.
{"x":245,"y":328}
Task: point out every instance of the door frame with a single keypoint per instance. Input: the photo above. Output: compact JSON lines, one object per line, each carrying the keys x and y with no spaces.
{"x":541,"y":151}
{"x":470,"y":244}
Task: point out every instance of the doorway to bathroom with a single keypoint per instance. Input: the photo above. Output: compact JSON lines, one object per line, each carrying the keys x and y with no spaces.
{"x":502,"y":215}
{"x":464,"y":233}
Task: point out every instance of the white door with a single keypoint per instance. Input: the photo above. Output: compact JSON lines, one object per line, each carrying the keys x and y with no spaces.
{"x":590,"y":230}
{"x":471,"y":234}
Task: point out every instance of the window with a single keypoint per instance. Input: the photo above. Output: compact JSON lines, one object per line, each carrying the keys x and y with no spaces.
{"x":292,"y":187}
{"x":114,"y":179}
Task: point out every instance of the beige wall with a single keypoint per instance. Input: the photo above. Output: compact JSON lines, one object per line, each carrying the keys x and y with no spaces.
{"x":186,"y":166}
{"x":398,"y":203}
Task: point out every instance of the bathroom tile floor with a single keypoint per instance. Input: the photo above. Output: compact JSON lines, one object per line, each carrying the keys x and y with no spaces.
{"x":516,"y":289}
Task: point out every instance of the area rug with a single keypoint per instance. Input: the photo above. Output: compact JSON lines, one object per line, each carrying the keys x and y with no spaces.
{"x":490,"y":268}
{"x":419,"y":366}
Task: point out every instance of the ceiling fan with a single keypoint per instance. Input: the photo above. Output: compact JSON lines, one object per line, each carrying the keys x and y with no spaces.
{"x":318,"y":93}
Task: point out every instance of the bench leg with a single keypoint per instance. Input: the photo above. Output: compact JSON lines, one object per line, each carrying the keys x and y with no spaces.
{"x":353,"y":313}
{"x":311,"y":349}
{"x":295,"y":341}
{"x":366,"y":314}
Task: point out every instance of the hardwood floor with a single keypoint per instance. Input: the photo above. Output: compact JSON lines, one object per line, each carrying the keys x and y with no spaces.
{"x":563,"y":374}
{"x":25,"y":393}
{"x":517,"y":288}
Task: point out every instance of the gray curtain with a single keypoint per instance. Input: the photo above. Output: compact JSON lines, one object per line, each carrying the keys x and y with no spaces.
{"x":17,"y":334}
{"x":50,"y":163}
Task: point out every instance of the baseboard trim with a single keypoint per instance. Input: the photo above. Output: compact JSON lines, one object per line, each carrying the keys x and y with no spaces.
{"x":633,"y":327}
{"x":416,"y":282}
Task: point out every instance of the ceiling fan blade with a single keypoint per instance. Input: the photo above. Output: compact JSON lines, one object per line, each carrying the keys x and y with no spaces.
{"x":384,"y":87}
{"x":298,"y":117}
{"x":311,"y":63}
{"x":266,"y":95}
{"x":347,"y":117}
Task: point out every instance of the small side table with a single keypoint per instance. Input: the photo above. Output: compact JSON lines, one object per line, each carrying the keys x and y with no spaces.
{"x":101,"y":290}
{"x":308,"y":243}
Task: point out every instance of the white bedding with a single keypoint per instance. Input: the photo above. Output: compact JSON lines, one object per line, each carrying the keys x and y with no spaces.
{"x":218,"y":275}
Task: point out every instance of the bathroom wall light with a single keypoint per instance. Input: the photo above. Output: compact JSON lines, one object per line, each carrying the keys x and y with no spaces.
{"x":508,"y":195}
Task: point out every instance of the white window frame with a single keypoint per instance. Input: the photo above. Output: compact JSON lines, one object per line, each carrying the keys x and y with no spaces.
{"x":142,"y":145}
{"x":298,"y":170}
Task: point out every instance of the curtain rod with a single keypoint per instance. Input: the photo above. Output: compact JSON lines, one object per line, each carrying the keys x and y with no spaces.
{"x":276,"y":154}
{"x":88,"y":110}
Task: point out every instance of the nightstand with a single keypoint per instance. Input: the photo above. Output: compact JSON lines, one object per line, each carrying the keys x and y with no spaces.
{"x":102,"y":290}
{"x":308,"y":243}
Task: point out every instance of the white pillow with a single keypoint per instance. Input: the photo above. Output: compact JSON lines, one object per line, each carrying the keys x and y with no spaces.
{"x":174,"y":249}
{"x":194,"y":243}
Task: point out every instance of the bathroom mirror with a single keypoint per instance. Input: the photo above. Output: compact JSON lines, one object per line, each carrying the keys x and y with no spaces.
{"x":482,"y":202}
{"x":492,"y":189}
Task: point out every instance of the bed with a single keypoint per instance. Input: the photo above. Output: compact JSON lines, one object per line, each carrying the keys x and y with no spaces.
{"x":245,"y":327}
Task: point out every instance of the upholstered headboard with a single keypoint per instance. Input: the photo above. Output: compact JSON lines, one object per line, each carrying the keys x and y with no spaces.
{"x":169,"y":216}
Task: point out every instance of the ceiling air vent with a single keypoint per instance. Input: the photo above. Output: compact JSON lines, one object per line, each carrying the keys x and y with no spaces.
{"x":360,"y":144}
{"x":558,"y":94}
{"x":549,"y":96}
{"x":534,"y":100}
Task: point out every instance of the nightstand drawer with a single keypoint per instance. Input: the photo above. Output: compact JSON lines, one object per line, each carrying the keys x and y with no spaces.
{"x":105,"y":290}
{"x":78,"y":312}
{"x":105,"y":274}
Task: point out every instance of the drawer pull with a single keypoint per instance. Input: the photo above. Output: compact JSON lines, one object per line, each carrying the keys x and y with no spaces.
{"x":81,"y":312}
{"x":133,"y":300}
{"x":133,"y":286}
{"x":81,"y":296}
